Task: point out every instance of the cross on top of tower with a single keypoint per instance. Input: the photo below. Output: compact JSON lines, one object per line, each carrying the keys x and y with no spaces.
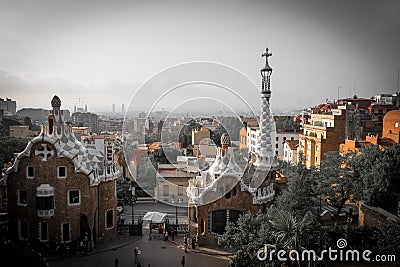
{"x":266,"y":55}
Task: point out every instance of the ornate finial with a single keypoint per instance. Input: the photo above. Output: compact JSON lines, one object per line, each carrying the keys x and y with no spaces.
{"x":266,"y":55}
{"x":56,"y":102}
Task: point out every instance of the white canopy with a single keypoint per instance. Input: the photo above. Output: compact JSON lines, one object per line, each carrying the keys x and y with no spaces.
{"x":156,"y":217}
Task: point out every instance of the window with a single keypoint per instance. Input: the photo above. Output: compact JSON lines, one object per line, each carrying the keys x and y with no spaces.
{"x":284,"y":138}
{"x":65,"y":232}
{"x":44,"y":231}
{"x":396,"y":125}
{"x":291,"y":138}
{"x":285,"y":154}
{"x":276,"y":145}
{"x":23,"y":229}
{"x":180,"y":190}
{"x":276,"y":153}
{"x":61,"y":172}
{"x":165,"y":190}
{"x":30,"y":172}
{"x":74,"y":197}
{"x":45,"y":203}
{"x":277,"y":138}
{"x":316,"y":148}
{"x":109,"y":219}
{"x":316,"y":159}
{"x":22,"y":198}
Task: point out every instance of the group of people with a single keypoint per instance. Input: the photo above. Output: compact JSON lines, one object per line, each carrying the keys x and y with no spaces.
{"x":186,"y":242}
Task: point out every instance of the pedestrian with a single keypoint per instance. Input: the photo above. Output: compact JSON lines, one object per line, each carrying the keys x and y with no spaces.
{"x":136,"y":253}
{"x":194,"y":242}
{"x":166,"y":235}
{"x":185,"y":241}
{"x":183,"y":261}
{"x":138,"y":265}
{"x":116,"y":262}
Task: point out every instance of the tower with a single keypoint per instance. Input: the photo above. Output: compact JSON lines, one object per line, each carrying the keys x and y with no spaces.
{"x":55,"y":118}
{"x":265,"y":158}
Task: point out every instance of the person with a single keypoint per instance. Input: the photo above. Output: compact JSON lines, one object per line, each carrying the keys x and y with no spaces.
{"x":173,"y":234}
{"x":193,"y":242}
{"x":166,"y":235}
{"x":116,"y":262}
{"x":185,"y":241}
{"x":138,"y":265}
{"x":183,"y":261}
{"x":136,"y":254}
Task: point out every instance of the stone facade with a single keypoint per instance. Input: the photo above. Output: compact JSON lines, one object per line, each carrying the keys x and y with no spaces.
{"x":374,"y":216}
{"x":61,"y":192}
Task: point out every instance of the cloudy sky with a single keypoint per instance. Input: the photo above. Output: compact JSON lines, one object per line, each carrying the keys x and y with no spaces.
{"x":102,"y":51}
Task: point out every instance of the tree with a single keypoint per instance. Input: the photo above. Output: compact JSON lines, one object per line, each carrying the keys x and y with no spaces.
{"x":9,"y":146}
{"x":28,"y":122}
{"x":301,"y":188}
{"x":379,"y":176}
{"x":277,"y":228}
{"x":338,"y":180}
{"x":246,"y":237}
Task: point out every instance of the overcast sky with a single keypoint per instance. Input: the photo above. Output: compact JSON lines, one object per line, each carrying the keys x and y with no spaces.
{"x":102,"y":51}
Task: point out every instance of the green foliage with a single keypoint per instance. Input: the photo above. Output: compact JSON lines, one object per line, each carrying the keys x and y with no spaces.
{"x":185,"y":134}
{"x":300,"y":189}
{"x":124,"y":192}
{"x":216,"y":135}
{"x":337,"y":180}
{"x":287,"y":123}
{"x":379,"y":176}
{"x":9,"y":146}
{"x":164,"y":155}
{"x":277,"y":227}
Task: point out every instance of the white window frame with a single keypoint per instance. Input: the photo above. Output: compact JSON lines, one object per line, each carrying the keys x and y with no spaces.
{"x":19,"y":229}
{"x":105,"y":223}
{"x":40,"y":231}
{"x":27,"y":173}
{"x":58,"y":172}
{"x":74,"y":204}
{"x":62,"y":232}
{"x":18,"y":198}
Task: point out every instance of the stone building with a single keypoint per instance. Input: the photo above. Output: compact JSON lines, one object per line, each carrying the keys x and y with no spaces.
{"x":225,"y":191}
{"x":324,"y":131}
{"x":59,"y":191}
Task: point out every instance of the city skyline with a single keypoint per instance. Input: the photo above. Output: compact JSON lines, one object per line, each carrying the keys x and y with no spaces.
{"x":104,"y":54}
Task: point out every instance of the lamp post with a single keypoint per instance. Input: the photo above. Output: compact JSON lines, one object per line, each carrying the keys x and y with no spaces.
{"x":133,"y":203}
{"x":180,"y":200}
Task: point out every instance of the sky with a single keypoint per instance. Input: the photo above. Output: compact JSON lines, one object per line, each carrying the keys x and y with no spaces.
{"x":103,"y":51}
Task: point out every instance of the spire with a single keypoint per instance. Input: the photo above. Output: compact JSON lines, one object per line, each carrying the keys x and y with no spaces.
{"x":264,"y":151}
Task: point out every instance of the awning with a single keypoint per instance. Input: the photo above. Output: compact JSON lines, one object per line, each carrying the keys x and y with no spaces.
{"x":155,"y":217}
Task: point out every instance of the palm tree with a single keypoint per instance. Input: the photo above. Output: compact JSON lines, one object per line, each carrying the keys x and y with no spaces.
{"x":290,"y":232}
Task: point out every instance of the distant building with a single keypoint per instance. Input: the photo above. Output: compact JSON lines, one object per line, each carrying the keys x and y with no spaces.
{"x":197,"y":137}
{"x":290,"y":151}
{"x":61,"y":192}
{"x":9,"y":106}
{"x":19,"y":131}
{"x":79,"y":131}
{"x":171,"y":183}
{"x":102,"y":142}
{"x":86,"y":119}
{"x":391,"y":126}
{"x":324,"y":132}
{"x":39,"y":114}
